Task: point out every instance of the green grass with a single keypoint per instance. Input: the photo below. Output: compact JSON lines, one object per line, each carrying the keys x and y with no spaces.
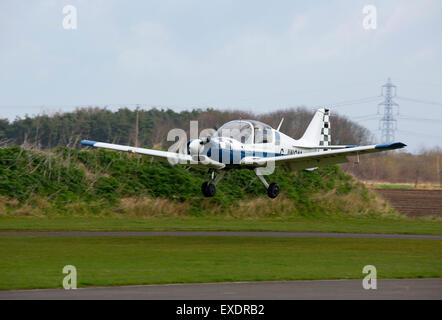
{"x":420,"y":186}
{"x":37,"y":262}
{"x":394,"y":186}
{"x":304,"y":224}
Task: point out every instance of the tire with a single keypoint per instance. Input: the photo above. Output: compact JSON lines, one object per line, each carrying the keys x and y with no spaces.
{"x":208,"y":189}
{"x":273,"y":190}
{"x":204,"y":188}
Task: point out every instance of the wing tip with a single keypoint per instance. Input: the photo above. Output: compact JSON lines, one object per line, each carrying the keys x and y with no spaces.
{"x":88,"y":143}
{"x":394,"y":145}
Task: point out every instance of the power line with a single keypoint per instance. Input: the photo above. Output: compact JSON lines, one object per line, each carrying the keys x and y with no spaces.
{"x":419,"y":119}
{"x":366,"y":119}
{"x":401,"y":117}
{"x":365,"y":116}
{"x":353,"y":102}
{"x":420,"y":134}
{"x":420,"y":101}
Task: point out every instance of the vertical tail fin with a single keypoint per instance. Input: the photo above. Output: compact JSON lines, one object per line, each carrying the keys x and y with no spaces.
{"x":318,"y":131}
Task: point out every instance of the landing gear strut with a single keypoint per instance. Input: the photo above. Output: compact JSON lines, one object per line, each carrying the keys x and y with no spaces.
{"x":209,"y":187}
{"x":272,"y":189}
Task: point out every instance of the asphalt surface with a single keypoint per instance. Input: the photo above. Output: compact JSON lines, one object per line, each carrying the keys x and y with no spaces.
{"x":220,"y":233}
{"x":273,"y":290}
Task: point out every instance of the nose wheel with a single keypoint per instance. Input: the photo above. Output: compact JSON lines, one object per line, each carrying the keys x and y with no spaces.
{"x":209,"y":187}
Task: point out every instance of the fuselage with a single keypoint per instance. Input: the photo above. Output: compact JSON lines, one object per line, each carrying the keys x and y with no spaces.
{"x":249,"y":138}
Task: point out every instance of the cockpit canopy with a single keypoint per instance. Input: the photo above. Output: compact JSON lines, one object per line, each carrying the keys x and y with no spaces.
{"x":246,"y":131}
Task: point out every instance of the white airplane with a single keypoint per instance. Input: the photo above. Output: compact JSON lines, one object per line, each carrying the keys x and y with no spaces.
{"x":254,"y":145}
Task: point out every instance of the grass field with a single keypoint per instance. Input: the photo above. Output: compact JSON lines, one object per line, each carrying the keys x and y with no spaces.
{"x":394,"y":186}
{"x":302,"y":224}
{"x":37,"y":262}
{"x":420,"y":186}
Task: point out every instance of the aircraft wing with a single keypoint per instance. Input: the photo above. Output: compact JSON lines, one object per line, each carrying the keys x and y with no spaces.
{"x":319,"y":159}
{"x":174,"y":158}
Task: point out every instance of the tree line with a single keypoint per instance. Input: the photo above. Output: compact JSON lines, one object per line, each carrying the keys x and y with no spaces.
{"x":46,"y":131}
{"x":149,"y":128}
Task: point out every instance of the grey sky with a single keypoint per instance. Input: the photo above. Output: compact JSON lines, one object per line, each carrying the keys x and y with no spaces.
{"x":251,"y":55}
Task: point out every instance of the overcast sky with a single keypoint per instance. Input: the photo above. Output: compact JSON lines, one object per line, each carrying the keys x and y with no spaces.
{"x":251,"y":55}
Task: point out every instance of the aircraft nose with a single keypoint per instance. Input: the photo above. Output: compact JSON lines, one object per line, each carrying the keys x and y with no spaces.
{"x":196,"y":146}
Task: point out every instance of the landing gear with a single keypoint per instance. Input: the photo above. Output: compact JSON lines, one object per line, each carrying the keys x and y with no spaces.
{"x":209,"y":187}
{"x":272,"y":189}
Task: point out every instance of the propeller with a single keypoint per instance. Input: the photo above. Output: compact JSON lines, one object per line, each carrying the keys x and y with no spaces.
{"x":198,"y":146}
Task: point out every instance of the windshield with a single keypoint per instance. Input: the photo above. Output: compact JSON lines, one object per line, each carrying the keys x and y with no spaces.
{"x":238,"y":130}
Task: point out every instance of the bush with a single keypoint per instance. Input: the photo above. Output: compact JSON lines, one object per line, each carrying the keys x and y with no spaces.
{"x":64,"y":176}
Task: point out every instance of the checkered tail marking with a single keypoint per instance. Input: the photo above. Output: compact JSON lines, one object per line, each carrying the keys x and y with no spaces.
{"x":325,"y":131}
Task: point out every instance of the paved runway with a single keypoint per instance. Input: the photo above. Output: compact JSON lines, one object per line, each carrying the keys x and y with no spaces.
{"x":269,"y":290}
{"x":220,"y":233}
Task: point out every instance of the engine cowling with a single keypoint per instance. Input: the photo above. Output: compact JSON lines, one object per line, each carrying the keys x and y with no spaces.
{"x":195,"y":146}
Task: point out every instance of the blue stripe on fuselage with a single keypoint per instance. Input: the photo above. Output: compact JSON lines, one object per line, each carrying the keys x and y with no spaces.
{"x":241,"y":153}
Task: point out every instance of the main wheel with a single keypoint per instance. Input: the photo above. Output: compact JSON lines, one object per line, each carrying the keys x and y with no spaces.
{"x":208,"y":189}
{"x":273,"y":190}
